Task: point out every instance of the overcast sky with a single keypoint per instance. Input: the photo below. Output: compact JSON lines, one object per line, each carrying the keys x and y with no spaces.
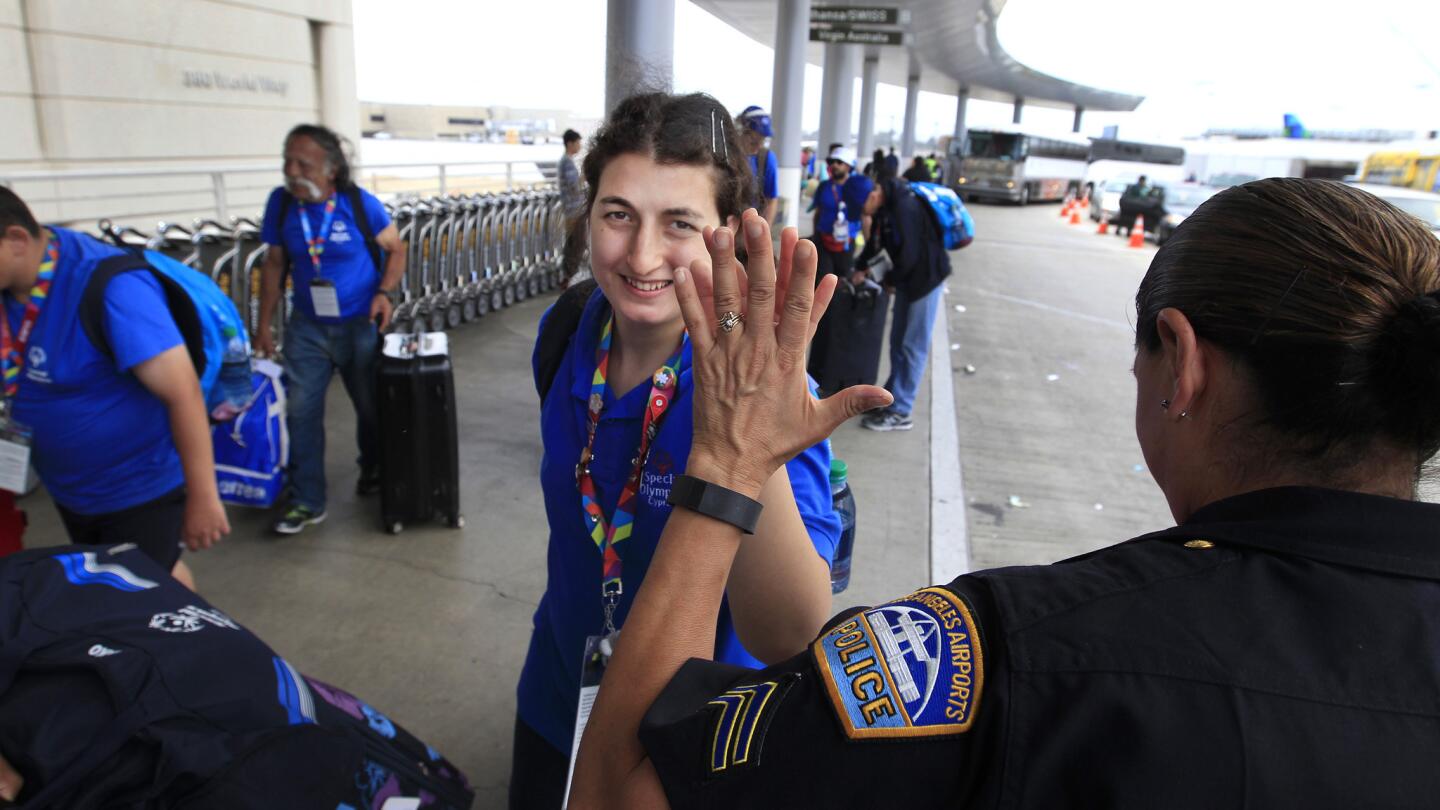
{"x":1338,"y":64}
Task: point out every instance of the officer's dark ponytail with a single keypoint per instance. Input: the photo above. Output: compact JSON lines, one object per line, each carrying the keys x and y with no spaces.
{"x":334,"y":147}
{"x":1330,"y":297}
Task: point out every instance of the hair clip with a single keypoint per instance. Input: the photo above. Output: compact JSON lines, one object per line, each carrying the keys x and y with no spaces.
{"x":718,"y":135}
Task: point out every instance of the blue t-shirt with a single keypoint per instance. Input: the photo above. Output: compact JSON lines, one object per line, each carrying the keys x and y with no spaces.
{"x":827,"y":200}
{"x":346,"y":261}
{"x":570,"y":610}
{"x":102,"y":441}
{"x":771,"y":187}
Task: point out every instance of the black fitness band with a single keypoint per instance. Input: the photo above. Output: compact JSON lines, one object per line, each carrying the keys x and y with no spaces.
{"x":715,"y":501}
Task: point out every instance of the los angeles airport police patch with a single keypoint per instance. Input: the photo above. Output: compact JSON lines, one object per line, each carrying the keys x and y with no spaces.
{"x":910,"y":668}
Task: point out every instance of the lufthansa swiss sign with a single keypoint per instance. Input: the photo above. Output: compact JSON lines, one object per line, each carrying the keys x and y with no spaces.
{"x":910,"y":668}
{"x":859,"y":15}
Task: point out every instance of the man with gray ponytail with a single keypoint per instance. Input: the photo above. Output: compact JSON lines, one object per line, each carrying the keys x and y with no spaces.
{"x":346,"y":260}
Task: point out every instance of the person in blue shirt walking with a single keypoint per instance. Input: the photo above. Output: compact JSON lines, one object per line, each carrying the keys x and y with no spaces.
{"x":121,"y":442}
{"x":334,"y":255}
{"x":755,"y":130}
{"x":616,"y":425}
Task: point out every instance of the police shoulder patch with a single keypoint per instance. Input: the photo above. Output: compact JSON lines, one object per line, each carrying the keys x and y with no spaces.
{"x":909,"y":668}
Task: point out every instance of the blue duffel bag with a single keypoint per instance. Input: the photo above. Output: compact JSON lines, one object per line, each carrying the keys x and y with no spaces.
{"x":252,"y":450}
{"x":121,"y":689}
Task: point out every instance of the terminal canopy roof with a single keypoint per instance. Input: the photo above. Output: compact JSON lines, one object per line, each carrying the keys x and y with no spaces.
{"x":955,"y":43}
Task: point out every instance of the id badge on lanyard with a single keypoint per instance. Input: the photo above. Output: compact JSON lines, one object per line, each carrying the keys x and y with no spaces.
{"x":598,"y":650}
{"x":324,"y":298}
{"x":14,"y":454}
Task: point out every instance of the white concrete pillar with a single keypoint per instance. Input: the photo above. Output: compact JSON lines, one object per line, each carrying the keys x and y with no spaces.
{"x":335,"y":58}
{"x":639,"y":48}
{"x":787,"y":98}
{"x":1019,"y":108}
{"x":837,"y":99}
{"x":912,"y":108}
{"x":869,"y":79}
{"x":962,"y":100}
{"x":1079,"y":113}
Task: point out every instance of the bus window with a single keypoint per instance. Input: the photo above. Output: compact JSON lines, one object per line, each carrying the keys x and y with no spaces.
{"x":995,"y":145}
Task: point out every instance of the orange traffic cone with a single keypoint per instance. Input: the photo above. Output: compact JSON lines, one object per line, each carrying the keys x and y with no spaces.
{"x":1104,"y":225}
{"x":1075,"y":215}
{"x":1065,"y":210}
{"x":1137,"y":232}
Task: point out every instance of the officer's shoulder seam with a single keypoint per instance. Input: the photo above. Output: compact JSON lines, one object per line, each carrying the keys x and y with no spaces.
{"x":1120,"y":589}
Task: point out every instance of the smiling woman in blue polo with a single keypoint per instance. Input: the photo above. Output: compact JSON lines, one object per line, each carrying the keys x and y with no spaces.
{"x":617,"y":425}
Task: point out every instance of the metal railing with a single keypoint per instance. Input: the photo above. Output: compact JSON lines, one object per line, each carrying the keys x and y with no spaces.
{"x":89,"y":193}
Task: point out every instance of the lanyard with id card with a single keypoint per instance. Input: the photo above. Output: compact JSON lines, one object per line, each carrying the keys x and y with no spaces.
{"x":323,"y":295}
{"x":606,"y":534}
{"x":15,"y":438}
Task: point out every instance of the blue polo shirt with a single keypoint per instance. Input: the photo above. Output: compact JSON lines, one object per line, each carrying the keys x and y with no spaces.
{"x":771,"y":188}
{"x":826,"y":201}
{"x":102,"y":441}
{"x":570,"y":610}
{"x":346,"y":261}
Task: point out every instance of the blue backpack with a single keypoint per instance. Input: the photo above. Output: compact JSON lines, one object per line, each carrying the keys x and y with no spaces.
{"x":120,"y":689}
{"x":950,"y":214}
{"x":205,"y":315}
{"x":252,"y":450}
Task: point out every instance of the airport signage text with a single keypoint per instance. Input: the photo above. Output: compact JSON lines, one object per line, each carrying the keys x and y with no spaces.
{"x":859,"y":15}
{"x":853,"y":36}
{"x":243,"y":82}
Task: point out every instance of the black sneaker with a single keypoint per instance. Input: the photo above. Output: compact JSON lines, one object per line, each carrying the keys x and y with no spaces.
{"x":369,"y":481}
{"x":296,"y":518}
{"x":889,"y":420}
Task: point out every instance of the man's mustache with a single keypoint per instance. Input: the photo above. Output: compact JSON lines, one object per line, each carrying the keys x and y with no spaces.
{"x":300,"y":184}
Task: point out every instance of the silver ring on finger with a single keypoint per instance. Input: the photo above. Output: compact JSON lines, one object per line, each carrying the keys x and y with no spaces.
{"x":730,"y":320}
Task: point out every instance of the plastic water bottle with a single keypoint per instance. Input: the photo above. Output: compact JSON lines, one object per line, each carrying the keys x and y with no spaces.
{"x":844,"y":501}
{"x":234,"y":382}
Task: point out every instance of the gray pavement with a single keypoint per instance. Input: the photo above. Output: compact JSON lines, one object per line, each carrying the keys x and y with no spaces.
{"x":1048,"y":415}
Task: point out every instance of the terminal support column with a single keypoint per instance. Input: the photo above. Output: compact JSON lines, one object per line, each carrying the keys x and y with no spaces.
{"x":838,"y":94}
{"x":335,"y":56}
{"x":962,"y":100}
{"x":787,"y":97}
{"x":912,"y":105}
{"x":869,"y":79}
{"x":1079,"y":113}
{"x":639,"y":48}
{"x":1019,"y":108}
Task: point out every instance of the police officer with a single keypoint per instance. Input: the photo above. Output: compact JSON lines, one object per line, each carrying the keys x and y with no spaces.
{"x":119,"y":436}
{"x":328,"y":234}
{"x":1277,"y":648}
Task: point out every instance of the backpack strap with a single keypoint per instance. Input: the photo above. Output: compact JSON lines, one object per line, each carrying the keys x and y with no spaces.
{"x":181,"y":306}
{"x":362,"y":218}
{"x":560,"y":326}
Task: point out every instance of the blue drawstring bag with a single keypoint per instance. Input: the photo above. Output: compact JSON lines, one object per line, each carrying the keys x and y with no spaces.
{"x":950,"y":214}
{"x":252,"y":450}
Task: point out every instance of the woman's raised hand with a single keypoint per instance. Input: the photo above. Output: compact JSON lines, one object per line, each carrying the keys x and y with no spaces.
{"x":753,"y":406}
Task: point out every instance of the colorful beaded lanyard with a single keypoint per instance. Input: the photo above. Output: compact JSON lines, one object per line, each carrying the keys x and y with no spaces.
{"x":608,"y":534}
{"x":13,"y":350}
{"x":316,"y":244}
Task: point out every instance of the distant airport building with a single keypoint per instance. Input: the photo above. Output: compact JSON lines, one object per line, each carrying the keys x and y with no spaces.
{"x":164,"y":84}
{"x":491,"y":124}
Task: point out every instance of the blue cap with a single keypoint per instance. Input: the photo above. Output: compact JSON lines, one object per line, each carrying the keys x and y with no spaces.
{"x":754,"y":117}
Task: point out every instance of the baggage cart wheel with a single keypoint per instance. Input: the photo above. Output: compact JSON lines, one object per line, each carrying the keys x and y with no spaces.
{"x":458,"y":522}
{"x":482,"y":304}
{"x":401,"y":326}
{"x":497,"y":300}
{"x":453,"y":316}
{"x":534,"y":286}
{"x":509,"y":294}
{"x":522,"y":290}
{"x":437,"y":320}
{"x":469,"y":311}
{"x":396,"y":527}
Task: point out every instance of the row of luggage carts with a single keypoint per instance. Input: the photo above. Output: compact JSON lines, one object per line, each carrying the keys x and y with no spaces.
{"x":467,"y":255}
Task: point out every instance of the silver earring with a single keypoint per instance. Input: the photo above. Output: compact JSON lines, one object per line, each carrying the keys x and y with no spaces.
{"x":1184,"y":414}
{"x":1164,"y":404}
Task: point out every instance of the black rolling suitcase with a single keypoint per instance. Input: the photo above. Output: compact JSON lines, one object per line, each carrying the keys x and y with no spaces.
{"x":846,"y":349}
{"x":419,"y":445}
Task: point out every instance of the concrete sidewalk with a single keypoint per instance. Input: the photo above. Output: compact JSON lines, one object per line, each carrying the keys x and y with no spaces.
{"x":432,"y":625}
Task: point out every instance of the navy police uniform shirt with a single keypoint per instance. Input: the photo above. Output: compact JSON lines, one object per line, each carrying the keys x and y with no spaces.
{"x":102,"y":441}
{"x":570,"y":609}
{"x":1280,"y":649}
{"x":345,"y":261}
